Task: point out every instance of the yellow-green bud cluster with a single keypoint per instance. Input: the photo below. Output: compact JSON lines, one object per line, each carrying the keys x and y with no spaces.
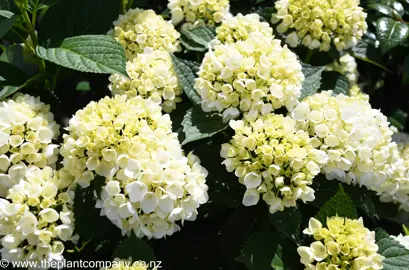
{"x":27,"y":129}
{"x":198,"y":11}
{"x":342,"y":244}
{"x":238,"y":28}
{"x":150,"y":184}
{"x":318,"y":23}
{"x":37,"y":218}
{"x":138,"y":29}
{"x":151,"y":75}
{"x":273,"y":160}
{"x":255,"y":76}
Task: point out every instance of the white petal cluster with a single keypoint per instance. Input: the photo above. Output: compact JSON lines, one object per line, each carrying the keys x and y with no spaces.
{"x":342,"y":244}
{"x":27,"y":130}
{"x":138,"y":29}
{"x":37,"y":218}
{"x":255,"y":76}
{"x":150,"y":184}
{"x":238,"y":28}
{"x":151,"y":75}
{"x":318,"y":23}
{"x":403,"y":240}
{"x":198,"y":11}
{"x":357,"y":140}
{"x":273,"y":160}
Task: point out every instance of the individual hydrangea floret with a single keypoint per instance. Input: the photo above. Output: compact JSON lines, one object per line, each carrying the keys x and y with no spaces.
{"x":138,"y":29}
{"x":342,"y":243}
{"x":403,"y":240}
{"x":151,"y":75}
{"x":273,"y":160}
{"x":198,"y":11}
{"x":238,"y":28}
{"x":37,"y":219}
{"x":318,"y":23}
{"x":150,"y":184}
{"x":356,"y":138}
{"x":27,"y":130}
{"x":255,"y":76}
{"x":355,"y":91}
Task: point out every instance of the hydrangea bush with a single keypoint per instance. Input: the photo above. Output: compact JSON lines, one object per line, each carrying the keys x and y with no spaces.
{"x":205,"y":134}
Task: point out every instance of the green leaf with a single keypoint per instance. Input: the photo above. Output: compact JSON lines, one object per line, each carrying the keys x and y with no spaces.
{"x":259,"y":250}
{"x":92,"y":53}
{"x":312,"y":81}
{"x":186,"y":71}
{"x":367,"y":52}
{"x":339,"y":205}
{"x":70,"y":18}
{"x":7,"y":19}
{"x":398,"y":7}
{"x":287,"y":222}
{"x":335,"y":81}
{"x":396,"y":255}
{"x":197,"y":38}
{"x":385,"y":10}
{"x":12,"y":74}
{"x":198,"y":125}
{"x":135,"y":248}
{"x":405,"y":77}
{"x":391,"y":33}
{"x":277,"y":263}
{"x":8,"y":90}
{"x":14,"y":55}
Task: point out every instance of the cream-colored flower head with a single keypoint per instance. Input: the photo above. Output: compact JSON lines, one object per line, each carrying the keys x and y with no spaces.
{"x":356,"y":137}
{"x":27,"y":130}
{"x":255,"y":76}
{"x":318,"y":23}
{"x":273,"y":160}
{"x":151,"y":75}
{"x":150,"y":183}
{"x":238,"y":28}
{"x":138,"y":29}
{"x":37,"y":219}
{"x":342,"y":244}
{"x":198,"y":11}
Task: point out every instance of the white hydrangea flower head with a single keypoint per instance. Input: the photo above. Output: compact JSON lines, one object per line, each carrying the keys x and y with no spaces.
{"x":138,"y":29}
{"x":150,"y":184}
{"x":356,"y":138}
{"x":27,"y":130}
{"x":355,"y":91}
{"x":238,"y":28}
{"x":255,"y":76}
{"x":37,"y":219}
{"x":274,"y":160}
{"x":403,"y":240}
{"x":318,"y":23}
{"x":342,"y":243}
{"x":198,"y":11}
{"x":151,"y":75}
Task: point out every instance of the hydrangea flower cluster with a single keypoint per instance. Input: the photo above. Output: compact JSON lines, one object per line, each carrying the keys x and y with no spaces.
{"x":150,"y":184}
{"x":27,"y":129}
{"x":255,"y":76}
{"x":403,"y":240}
{"x":38,"y":219}
{"x":198,"y":11}
{"x":238,"y":28}
{"x":273,"y":159}
{"x":355,"y":91}
{"x":317,"y":23}
{"x":356,"y":138}
{"x":138,"y":29}
{"x":342,"y":244}
{"x":151,"y":75}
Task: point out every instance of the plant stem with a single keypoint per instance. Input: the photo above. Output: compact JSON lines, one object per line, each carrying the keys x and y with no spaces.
{"x":130,"y":4}
{"x":308,"y":57}
{"x":27,"y":44}
{"x":3,"y":48}
{"x":122,"y":7}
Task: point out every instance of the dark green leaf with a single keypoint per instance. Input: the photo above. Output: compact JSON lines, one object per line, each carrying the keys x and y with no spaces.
{"x":391,"y":33}
{"x":385,"y":10}
{"x":199,"y":125}
{"x":70,"y":18}
{"x":12,"y":74}
{"x":398,"y":7}
{"x":396,"y":255}
{"x":197,"y":38}
{"x":333,"y":80}
{"x":7,"y":19}
{"x":367,"y":52}
{"x":312,"y":81}
{"x":287,"y":222}
{"x":398,"y":119}
{"x":135,"y":248}
{"x":259,"y":250}
{"x":92,"y":53}
{"x":7,"y":91}
{"x":186,"y":71}
{"x":277,"y":263}
{"x":14,"y":55}
{"x":405,"y":77}
{"x":83,"y":86}
{"x":339,"y":205}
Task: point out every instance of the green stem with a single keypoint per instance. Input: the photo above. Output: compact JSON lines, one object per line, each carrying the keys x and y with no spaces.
{"x":27,"y":44}
{"x":122,"y":7}
{"x":3,"y":48}
{"x":308,"y":57}
{"x":130,"y":4}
